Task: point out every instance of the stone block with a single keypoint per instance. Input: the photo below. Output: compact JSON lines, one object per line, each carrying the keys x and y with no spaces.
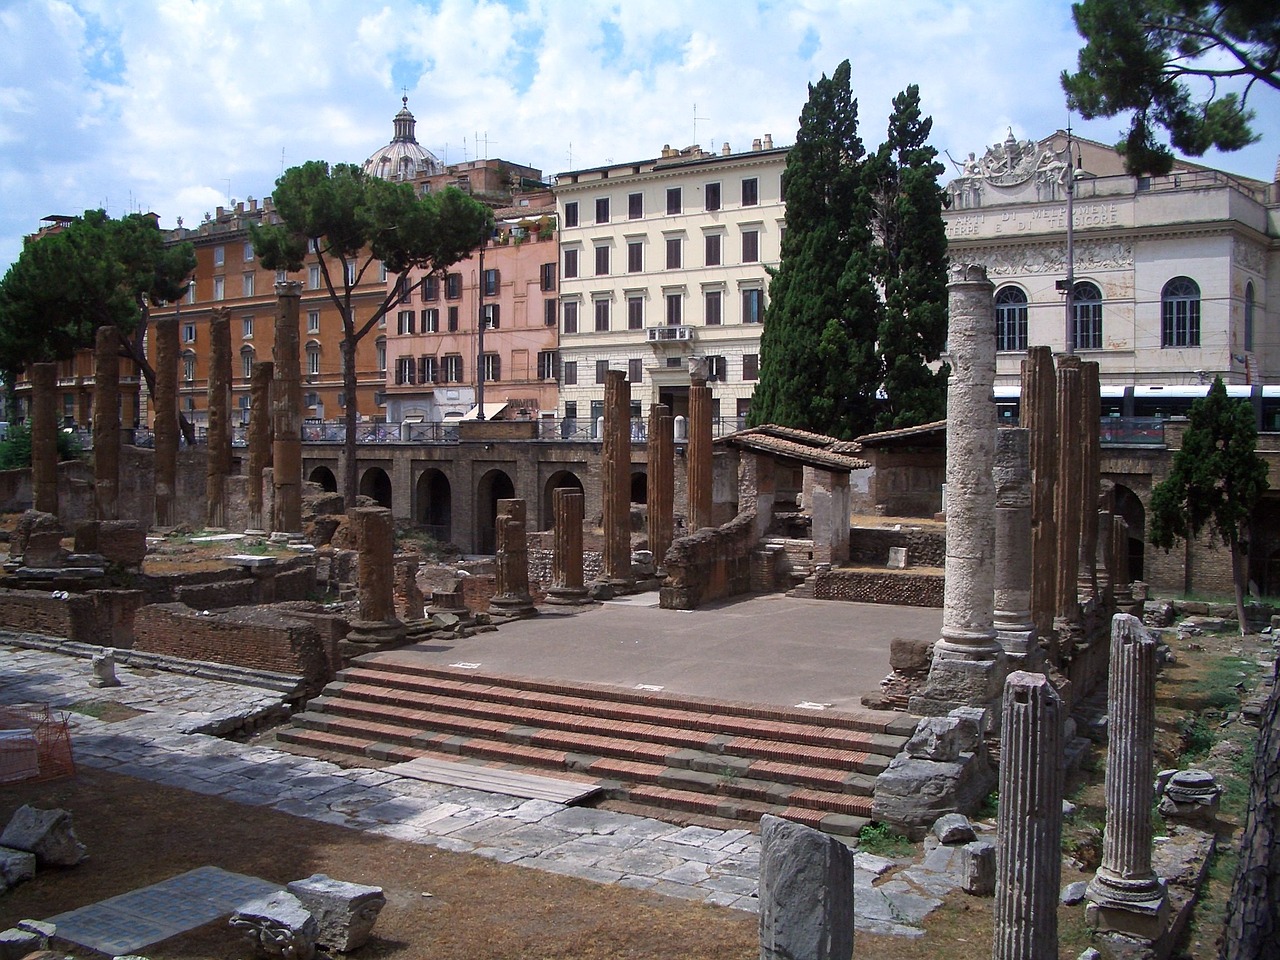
{"x":978,"y":868}
{"x":897,"y":558}
{"x":953,"y":828}
{"x":910,"y":657}
{"x":116,"y":541}
{"x":936,"y":738}
{"x":345,"y":912}
{"x":912,"y":793}
{"x":15,"y":867}
{"x":16,"y":943}
{"x":46,"y":833}
{"x":806,"y":893}
{"x":278,"y":926}
{"x":1073,"y":893}
{"x":104,"y":670}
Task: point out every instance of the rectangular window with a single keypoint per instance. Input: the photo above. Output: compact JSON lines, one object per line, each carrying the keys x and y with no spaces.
{"x":716,"y":368}
{"x":673,"y":309}
{"x":219,"y":256}
{"x":571,"y":214}
{"x":753,"y":305}
{"x":428,"y":370}
{"x":453,"y":286}
{"x":673,"y":253}
{"x":635,"y":256}
{"x":1088,"y":325}
{"x":635,"y":371}
{"x":490,"y":367}
{"x":191,"y":292}
{"x":349,"y":272}
{"x":602,"y":370}
{"x":282,"y":276}
{"x":570,"y":263}
{"x":431,"y":288}
{"x":219,"y":288}
{"x":548,"y":364}
{"x":635,"y":206}
{"x":547,"y":277}
{"x":381,"y":347}
{"x":453,"y":368}
{"x":246,"y":328}
{"x":453,"y":319}
{"x":751,"y":366}
{"x":246,"y":366}
{"x":431,"y":320}
{"x":635,"y":313}
{"x":382,"y":275}
{"x":189,"y":370}
{"x":313,"y":362}
{"x":602,"y":210}
{"x":313,"y":277}
{"x":712,"y":194}
{"x":673,"y":201}
{"x":571,"y":316}
{"x":750,"y":246}
{"x":750,"y":192}
{"x":188,"y":333}
{"x":313,"y":321}
{"x":549,"y":312}
{"x":246,"y":285}
{"x":491,"y":316}
{"x":602,"y":261}
{"x":602,"y":316}
{"x":248,"y":253}
{"x":713,"y":307}
{"x":491,"y":283}
{"x":405,"y":370}
{"x":571,"y":373}
{"x":405,"y":322}
{"x":713,"y":249}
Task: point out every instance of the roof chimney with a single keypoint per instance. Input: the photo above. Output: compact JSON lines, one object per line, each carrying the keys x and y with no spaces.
{"x":768,"y":141}
{"x":755,"y":144}
{"x":724,"y":149}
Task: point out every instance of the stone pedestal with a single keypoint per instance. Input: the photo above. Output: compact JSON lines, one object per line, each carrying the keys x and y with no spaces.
{"x":806,"y":893}
{"x":699,"y":480}
{"x":106,"y":423}
{"x":1039,"y":416}
{"x":218,"y":462}
{"x":1014,"y":627}
{"x":259,"y":438}
{"x":1125,"y":895}
{"x":1090,"y":488}
{"x":567,"y":583}
{"x":375,"y":543}
{"x":968,"y":663}
{"x":662,"y":482}
{"x":286,"y":412}
{"x":512,"y":598}
{"x":44,"y":437}
{"x":1029,"y":820}
{"x":615,"y":470}
{"x":164,"y":423}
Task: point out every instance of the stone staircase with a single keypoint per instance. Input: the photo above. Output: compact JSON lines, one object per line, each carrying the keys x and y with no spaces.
{"x":689,"y":754}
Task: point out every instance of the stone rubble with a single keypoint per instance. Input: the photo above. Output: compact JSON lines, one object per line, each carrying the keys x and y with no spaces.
{"x":46,"y":833}
{"x":278,"y":926}
{"x":344,"y":912}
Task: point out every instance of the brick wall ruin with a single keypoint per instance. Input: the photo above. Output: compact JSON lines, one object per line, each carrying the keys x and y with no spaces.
{"x":870,"y":545}
{"x":860,"y":586}
{"x":711,"y":564}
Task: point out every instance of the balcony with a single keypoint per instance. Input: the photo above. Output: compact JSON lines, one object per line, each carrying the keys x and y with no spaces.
{"x":666,"y":334}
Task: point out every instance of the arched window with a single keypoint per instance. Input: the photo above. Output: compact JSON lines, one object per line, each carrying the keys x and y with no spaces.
{"x":1180,"y":313}
{"x":1248,"y":315}
{"x":246,"y":362}
{"x":1011,"y":319}
{"x":188,"y":366}
{"x":1086,"y":316}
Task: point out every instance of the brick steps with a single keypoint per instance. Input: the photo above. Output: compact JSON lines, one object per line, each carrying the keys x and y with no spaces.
{"x":695,"y":755}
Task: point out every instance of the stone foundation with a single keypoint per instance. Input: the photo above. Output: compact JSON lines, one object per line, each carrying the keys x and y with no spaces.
{"x":861,"y":586}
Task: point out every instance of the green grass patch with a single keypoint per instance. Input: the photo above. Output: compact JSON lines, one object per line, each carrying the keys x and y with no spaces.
{"x":881,"y":840}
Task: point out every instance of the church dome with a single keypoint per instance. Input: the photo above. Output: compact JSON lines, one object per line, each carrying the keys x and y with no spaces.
{"x":403,"y":158}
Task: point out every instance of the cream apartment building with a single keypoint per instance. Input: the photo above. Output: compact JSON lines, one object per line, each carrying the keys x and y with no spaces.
{"x":661,"y":261}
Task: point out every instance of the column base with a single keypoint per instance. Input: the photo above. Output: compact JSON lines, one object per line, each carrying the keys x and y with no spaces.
{"x":1020,"y":648}
{"x":960,"y":678}
{"x":519,"y":607}
{"x":375,"y":632}
{"x":568,"y":596}
{"x":1135,"y":908}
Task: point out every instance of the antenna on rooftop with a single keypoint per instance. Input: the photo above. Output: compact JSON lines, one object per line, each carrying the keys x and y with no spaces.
{"x":282,"y":161}
{"x":570,"y":154}
{"x":696,"y":118}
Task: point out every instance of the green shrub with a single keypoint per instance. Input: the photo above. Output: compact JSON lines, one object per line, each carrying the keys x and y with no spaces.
{"x":15,"y":450}
{"x":881,"y":840}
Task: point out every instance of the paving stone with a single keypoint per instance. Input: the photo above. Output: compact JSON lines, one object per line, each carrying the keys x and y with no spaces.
{"x":642,"y":861}
{"x":585,"y":820}
{"x":739,"y":886}
{"x":533,"y":811}
{"x":690,"y":873}
{"x":694,"y":836}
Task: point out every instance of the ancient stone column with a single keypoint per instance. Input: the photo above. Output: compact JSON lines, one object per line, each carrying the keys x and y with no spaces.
{"x":1029,"y":820}
{"x":1012,"y":615}
{"x":1068,"y":494}
{"x":512,"y":597}
{"x":44,"y":437}
{"x":218,"y":463}
{"x":615,"y":468}
{"x":375,"y":543}
{"x":1039,"y":415}
{"x":566,"y":559}
{"x":1121,"y":576}
{"x":662,"y":482}
{"x":1105,"y":562}
{"x":286,"y":411}
{"x":1125,"y":895}
{"x":106,"y":423}
{"x":699,"y":455}
{"x":407,"y":588}
{"x":1090,"y":462}
{"x":259,"y":438}
{"x":164,"y":422}
{"x":968,"y":663}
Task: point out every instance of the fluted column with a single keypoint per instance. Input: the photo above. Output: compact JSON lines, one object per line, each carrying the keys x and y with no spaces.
{"x":1068,"y":494}
{"x":44,"y":437}
{"x":699,"y":455}
{"x":1090,"y":480}
{"x":259,"y":437}
{"x":164,"y":422}
{"x":662,"y":482}
{"x":106,"y":423}
{"x":1014,"y":627}
{"x":1039,"y":415}
{"x":511,"y":597}
{"x":566,"y":560}
{"x":615,"y":456}
{"x":286,"y":408}
{"x":1125,"y":894}
{"x":218,"y":461}
{"x":1029,"y":820}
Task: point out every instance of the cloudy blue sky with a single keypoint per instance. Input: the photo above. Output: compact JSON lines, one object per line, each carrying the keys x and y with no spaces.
{"x":177,"y":106}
